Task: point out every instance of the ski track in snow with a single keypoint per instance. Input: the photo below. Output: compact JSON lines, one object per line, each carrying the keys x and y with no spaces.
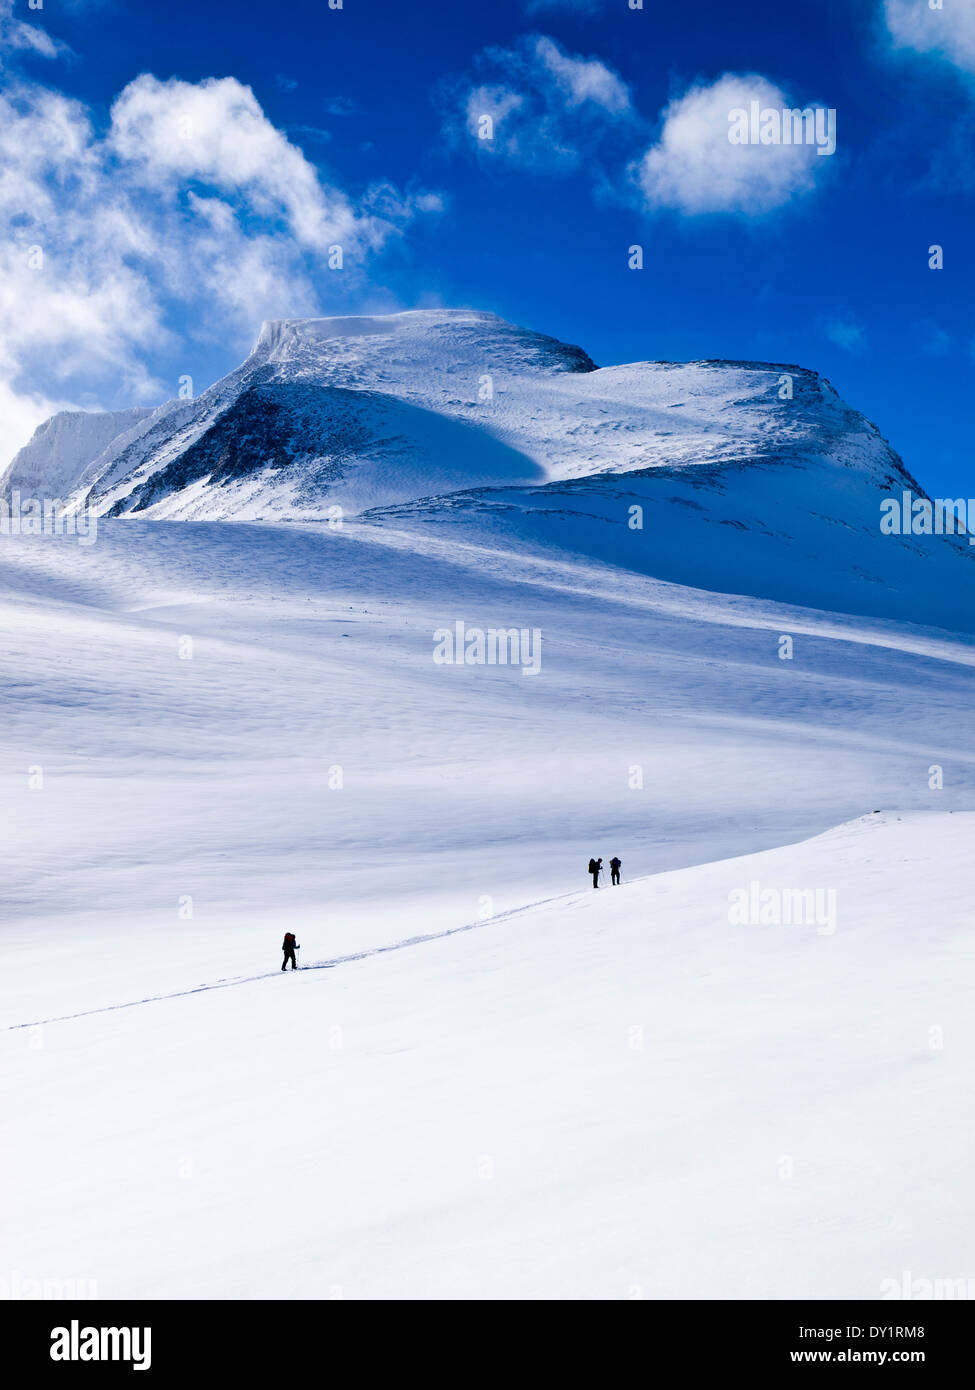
{"x":315,"y":965}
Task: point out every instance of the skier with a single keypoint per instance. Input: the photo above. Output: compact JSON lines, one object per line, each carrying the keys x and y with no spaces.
{"x":595,"y":868}
{"x":615,"y":865}
{"x":289,"y":945}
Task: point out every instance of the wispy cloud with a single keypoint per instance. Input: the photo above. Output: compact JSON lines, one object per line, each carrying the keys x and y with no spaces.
{"x":934,"y":341}
{"x":340,"y":106}
{"x":18,"y":37}
{"x":947,"y":33}
{"x":847,"y":333}
{"x":537,"y":105}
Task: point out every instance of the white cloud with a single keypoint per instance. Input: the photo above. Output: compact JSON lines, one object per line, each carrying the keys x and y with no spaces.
{"x":545,"y":107}
{"x":191,"y":208}
{"x":948,"y":32}
{"x":215,"y":132}
{"x":695,"y":168}
{"x":71,"y":304}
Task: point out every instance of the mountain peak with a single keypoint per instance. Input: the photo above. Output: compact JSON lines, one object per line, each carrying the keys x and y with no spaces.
{"x":400,"y":350}
{"x":281,"y":335}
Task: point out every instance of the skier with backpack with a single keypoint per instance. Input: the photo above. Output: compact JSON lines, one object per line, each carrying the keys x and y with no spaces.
{"x":614,"y":869}
{"x":289,"y":945}
{"x":595,"y":868}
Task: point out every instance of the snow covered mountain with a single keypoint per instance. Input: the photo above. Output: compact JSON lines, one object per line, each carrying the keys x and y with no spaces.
{"x":741,"y":477}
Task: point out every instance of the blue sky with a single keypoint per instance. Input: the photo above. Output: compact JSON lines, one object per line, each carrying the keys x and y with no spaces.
{"x":174,"y":213}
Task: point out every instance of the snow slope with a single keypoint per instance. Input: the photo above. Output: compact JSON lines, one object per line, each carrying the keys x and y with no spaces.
{"x":312,"y":648}
{"x":610,"y":1095}
{"x":794,"y":532}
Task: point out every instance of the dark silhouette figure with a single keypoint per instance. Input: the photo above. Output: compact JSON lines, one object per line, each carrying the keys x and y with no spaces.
{"x":288,"y":946}
{"x":595,"y":868}
{"x":614,"y":869}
